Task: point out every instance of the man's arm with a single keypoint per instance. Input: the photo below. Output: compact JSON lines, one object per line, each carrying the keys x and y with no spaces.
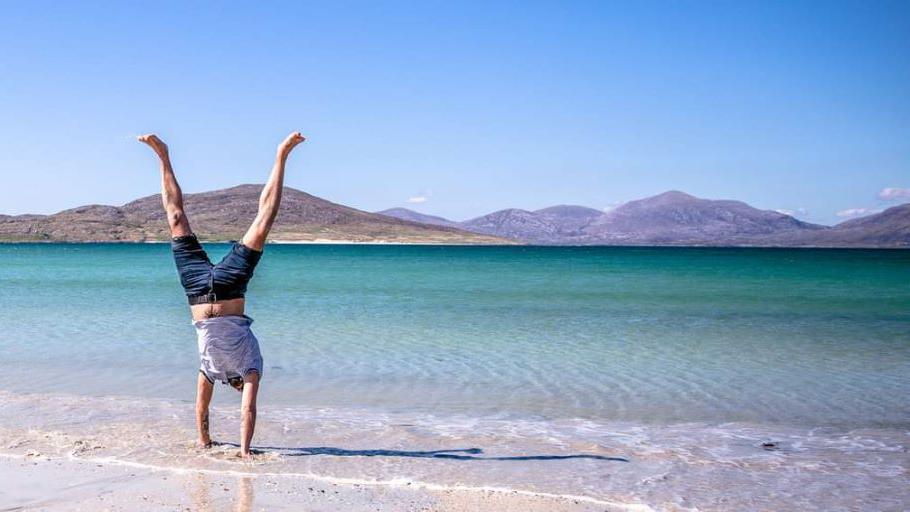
{"x":248,"y":411}
{"x":204,"y":390}
{"x":270,"y":199}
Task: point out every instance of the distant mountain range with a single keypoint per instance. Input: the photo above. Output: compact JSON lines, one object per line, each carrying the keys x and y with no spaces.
{"x":225,"y":215}
{"x":677,"y":218}
{"x":411,"y":215}
{"x":671,"y":218}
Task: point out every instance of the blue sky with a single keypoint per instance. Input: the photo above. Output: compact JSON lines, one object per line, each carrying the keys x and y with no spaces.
{"x":803,"y":106}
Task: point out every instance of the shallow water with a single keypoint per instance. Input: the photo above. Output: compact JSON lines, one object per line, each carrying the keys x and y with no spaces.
{"x":656,"y":335}
{"x":683,"y":361}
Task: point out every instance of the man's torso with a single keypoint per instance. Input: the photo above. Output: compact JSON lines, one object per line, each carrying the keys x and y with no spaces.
{"x":233,"y":307}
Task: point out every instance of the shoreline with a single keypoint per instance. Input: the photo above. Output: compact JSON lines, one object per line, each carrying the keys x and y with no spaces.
{"x":137,"y":450}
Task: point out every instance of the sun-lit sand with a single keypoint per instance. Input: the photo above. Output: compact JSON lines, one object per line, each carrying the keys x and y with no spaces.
{"x":38,"y":481}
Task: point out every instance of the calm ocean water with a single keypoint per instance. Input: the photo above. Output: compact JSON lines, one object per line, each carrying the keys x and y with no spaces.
{"x":663,"y":373}
{"x":804,"y":337}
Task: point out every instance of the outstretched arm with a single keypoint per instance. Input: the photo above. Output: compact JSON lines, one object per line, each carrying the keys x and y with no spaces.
{"x":248,"y":411}
{"x":270,"y":199}
{"x":204,"y":390}
{"x":171,"y":195}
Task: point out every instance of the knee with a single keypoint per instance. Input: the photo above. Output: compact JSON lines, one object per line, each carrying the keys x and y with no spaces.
{"x":248,"y":409}
{"x":175,"y":218}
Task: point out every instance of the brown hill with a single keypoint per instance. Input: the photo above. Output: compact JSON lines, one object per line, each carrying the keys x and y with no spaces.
{"x":225,"y":215}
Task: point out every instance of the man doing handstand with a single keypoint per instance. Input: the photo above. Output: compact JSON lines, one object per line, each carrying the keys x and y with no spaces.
{"x":227,"y":347}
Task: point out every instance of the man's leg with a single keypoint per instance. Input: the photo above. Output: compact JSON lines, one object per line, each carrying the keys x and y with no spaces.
{"x":248,"y":411}
{"x":203,"y":399}
{"x":270,"y":199}
{"x":171,"y":195}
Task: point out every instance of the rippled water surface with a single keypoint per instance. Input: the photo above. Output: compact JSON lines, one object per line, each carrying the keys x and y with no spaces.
{"x":654,"y":335}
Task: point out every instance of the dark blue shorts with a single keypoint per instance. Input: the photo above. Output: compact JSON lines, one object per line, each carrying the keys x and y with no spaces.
{"x":205,"y":283}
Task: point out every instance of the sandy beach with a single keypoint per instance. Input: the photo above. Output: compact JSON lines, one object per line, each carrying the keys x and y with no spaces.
{"x":139,"y":455}
{"x":63,"y":452}
{"x":37,"y":482}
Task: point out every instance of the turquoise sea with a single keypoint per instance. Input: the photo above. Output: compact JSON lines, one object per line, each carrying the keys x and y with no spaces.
{"x":592,"y":347}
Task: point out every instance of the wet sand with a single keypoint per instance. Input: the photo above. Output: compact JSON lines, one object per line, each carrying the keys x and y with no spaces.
{"x":69,"y":452}
{"x":39,"y":482}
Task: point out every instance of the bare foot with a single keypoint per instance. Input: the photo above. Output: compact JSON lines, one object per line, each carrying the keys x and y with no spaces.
{"x":205,"y":445}
{"x":155,"y":143}
{"x":284,"y":149}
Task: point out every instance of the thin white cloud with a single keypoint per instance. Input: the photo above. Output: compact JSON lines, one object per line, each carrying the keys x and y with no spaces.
{"x":894,"y":193}
{"x":857,"y":212}
{"x":797,"y":212}
{"x":422,"y":196}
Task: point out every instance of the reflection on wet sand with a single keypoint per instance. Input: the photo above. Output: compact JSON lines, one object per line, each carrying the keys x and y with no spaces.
{"x":243,"y":501}
{"x":202,"y":500}
{"x":201,"y":494}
